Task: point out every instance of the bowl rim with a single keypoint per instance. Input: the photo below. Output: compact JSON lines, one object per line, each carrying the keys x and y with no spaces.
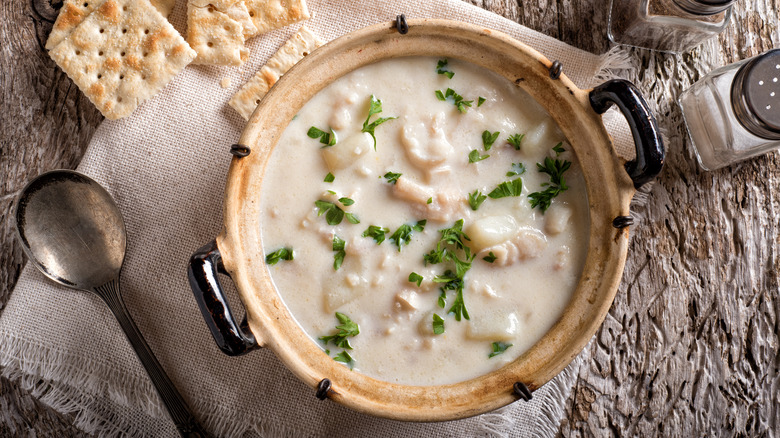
{"x":609,"y":192}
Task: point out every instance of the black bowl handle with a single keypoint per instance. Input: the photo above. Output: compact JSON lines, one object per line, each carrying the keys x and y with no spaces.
{"x":649,"y":146}
{"x":233,"y":339}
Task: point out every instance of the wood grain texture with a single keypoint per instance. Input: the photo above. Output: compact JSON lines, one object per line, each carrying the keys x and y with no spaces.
{"x":690,"y":346}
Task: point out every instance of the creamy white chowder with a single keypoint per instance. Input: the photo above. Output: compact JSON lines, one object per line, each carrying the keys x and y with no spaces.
{"x":524,"y":262}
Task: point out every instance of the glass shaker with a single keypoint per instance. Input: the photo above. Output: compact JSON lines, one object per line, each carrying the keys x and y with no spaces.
{"x":667,"y":25}
{"x":733,"y":113}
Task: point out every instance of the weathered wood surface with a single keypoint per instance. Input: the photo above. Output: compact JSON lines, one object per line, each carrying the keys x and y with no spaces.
{"x":690,"y":346}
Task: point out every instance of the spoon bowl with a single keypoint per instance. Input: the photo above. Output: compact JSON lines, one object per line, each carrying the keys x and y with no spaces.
{"x":73,"y":232}
{"x":71,"y":229}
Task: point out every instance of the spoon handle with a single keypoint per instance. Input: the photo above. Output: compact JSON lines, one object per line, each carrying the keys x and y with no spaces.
{"x":177,"y":408}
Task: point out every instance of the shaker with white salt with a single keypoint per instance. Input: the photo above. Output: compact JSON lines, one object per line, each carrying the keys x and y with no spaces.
{"x":667,"y":25}
{"x":733,"y":113}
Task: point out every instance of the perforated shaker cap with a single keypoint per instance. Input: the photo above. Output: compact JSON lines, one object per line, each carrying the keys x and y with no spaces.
{"x":755,"y":95}
{"x":704,"y":7}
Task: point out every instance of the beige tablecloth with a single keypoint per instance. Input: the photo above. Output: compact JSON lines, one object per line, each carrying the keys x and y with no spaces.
{"x":166,"y":167}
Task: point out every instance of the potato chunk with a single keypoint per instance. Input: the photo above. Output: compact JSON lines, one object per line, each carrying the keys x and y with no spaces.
{"x":490,"y":231}
{"x":542,"y":138}
{"x":498,"y":325}
{"x":348,"y":151}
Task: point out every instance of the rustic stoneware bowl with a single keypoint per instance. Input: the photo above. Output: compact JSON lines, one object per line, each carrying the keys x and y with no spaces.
{"x":611,"y":183}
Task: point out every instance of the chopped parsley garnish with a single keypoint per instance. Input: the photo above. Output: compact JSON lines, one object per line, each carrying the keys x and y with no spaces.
{"x":474,"y":156}
{"x":490,"y":258}
{"x":329,"y":178}
{"x":333,"y":213}
{"x":375,"y":107}
{"x":430,"y":200}
{"x":459,"y":307}
{"x":442,"y":69}
{"x":517,"y":169}
{"x":515,"y":140}
{"x":346,"y":329}
{"x":480,"y":101}
{"x":392,"y":177}
{"x":345,"y":358}
{"x":403,"y":235}
{"x":558,"y":148}
{"x":457,"y":99}
{"x":376,"y":232}
{"x":449,"y":281}
{"x":338,"y":246}
{"x":438,"y":324}
{"x":415,"y":278}
{"x":352,"y":218}
{"x":476,"y":199}
{"x":507,"y":188}
{"x":488,"y":139}
{"x":498,"y":348}
{"x":328,"y":139}
{"x":280,"y":254}
{"x":557,"y":185}
{"x":447,"y":249}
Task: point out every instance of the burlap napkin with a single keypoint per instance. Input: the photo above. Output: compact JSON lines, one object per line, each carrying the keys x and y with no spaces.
{"x":166,"y":167}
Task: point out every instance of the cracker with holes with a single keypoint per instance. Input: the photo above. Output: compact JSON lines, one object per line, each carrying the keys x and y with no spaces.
{"x":122,"y":54}
{"x":301,"y":44}
{"x":274,"y":14}
{"x":73,"y":12}
{"x":217,"y":29}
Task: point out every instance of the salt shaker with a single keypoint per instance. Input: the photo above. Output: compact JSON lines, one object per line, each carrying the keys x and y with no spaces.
{"x":667,"y":25}
{"x":733,"y":113}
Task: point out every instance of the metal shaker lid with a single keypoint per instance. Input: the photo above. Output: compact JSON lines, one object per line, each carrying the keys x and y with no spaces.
{"x":704,"y":7}
{"x":755,"y":95}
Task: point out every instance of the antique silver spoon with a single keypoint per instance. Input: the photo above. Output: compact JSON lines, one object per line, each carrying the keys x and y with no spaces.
{"x":73,"y":232}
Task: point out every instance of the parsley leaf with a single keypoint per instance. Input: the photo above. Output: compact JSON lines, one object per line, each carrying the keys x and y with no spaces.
{"x":333,"y":213}
{"x":346,"y":201}
{"x":346,"y":329}
{"x":490,"y":258}
{"x":392,"y":177}
{"x":438,"y":324}
{"x":507,"y":188}
{"x":558,"y":148}
{"x":515,"y":140}
{"x":457,"y":99}
{"x":344,"y":357}
{"x":352,"y":218}
{"x":476,"y":199}
{"x":459,"y":307}
{"x":328,"y":139}
{"x":375,"y":107}
{"x":480,"y":101}
{"x":517,"y":169}
{"x":329,"y":178}
{"x":442,"y":298}
{"x":416,"y":278}
{"x":474,"y":156}
{"x":441,"y":68}
{"x":488,"y":139}
{"x":403,"y":235}
{"x":279,"y":254}
{"x":338,"y":246}
{"x":430,"y":200}
{"x":557,"y":185}
{"x":498,"y":348}
{"x":376,"y":232}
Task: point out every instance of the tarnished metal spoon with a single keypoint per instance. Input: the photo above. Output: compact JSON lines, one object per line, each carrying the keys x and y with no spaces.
{"x":73,"y":232}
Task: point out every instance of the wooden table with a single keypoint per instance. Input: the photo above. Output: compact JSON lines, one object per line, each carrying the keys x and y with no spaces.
{"x":690,"y":346}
